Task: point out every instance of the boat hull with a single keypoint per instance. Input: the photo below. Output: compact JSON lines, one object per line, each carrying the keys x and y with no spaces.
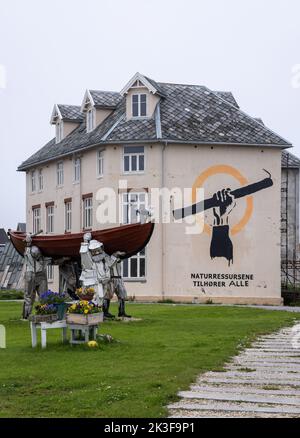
{"x":130,"y":239}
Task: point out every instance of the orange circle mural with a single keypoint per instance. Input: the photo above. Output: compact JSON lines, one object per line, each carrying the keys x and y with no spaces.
{"x":232,"y":171}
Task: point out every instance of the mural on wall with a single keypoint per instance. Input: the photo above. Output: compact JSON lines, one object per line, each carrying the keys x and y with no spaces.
{"x":222,"y":204}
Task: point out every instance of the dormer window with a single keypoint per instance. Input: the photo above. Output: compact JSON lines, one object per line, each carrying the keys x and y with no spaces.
{"x":90,"y":119}
{"x":59,"y":131}
{"x":139,"y":105}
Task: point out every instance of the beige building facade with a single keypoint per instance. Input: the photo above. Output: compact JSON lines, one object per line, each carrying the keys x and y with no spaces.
{"x":179,"y":138}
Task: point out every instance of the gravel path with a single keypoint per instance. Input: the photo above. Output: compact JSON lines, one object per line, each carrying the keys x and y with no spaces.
{"x":262,"y":381}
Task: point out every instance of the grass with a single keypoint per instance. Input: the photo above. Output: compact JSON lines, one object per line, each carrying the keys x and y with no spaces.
{"x":135,"y":377}
{"x":11,"y":294}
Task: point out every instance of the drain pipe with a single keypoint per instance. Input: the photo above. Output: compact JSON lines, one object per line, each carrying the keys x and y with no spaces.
{"x":163,"y":180}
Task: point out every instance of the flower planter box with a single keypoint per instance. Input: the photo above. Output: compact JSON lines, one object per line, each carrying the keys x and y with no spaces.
{"x":77,"y":318}
{"x":43,"y":318}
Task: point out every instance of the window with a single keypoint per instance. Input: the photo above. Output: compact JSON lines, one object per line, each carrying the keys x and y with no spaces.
{"x":33,"y":181}
{"x":88,"y":212}
{"x":90,"y":119}
{"x":135,"y":267}
{"x":41,"y":180}
{"x":59,"y":131}
{"x":139,"y":105}
{"x":100,"y":163}
{"x":50,"y":273}
{"x":36,"y":212}
{"x":60,"y":173}
{"x":50,"y":219}
{"x":77,"y":169}
{"x":68,"y":216}
{"x":132,"y":202}
{"x":134,"y":159}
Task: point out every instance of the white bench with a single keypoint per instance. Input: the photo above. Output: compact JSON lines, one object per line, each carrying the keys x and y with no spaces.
{"x":44,"y":326}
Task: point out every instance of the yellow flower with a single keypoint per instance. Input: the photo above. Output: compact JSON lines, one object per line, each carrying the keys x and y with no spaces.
{"x":86,"y":311}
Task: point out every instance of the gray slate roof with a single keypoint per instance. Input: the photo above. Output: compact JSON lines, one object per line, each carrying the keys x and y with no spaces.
{"x":105,"y":99}
{"x":289,"y":160}
{"x":70,"y":112}
{"x":11,"y":265}
{"x":188,"y":114}
{"x":3,"y":237}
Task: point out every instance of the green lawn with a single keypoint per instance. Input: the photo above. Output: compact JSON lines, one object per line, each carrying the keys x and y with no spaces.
{"x":136,"y":377}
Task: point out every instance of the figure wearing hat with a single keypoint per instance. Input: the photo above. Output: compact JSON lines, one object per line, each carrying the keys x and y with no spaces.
{"x":96,"y":265}
{"x":117,"y":287}
{"x":35,"y":275}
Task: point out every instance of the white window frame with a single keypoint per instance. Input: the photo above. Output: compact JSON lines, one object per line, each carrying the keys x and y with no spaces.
{"x":33,"y":181}
{"x":128,"y":200}
{"x":60,"y":174}
{"x":139,"y":105}
{"x":68,"y":216}
{"x":50,"y":219}
{"x":100,"y":163}
{"x":36,"y":219}
{"x":139,"y":256}
{"x":50,"y":273}
{"x":87,"y":210}
{"x":90,"y":119}
{"x":40,"y":180}
{"x":131,"y":155}
{"x":77,"y":170}
{"x":59,"y":131}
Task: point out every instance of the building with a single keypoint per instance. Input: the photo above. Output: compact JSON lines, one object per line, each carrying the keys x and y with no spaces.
{"x":290,"y":263}
{"x":11,"y":263}
{"x":174,"y":136}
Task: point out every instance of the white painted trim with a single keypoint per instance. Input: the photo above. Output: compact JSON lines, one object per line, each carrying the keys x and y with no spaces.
{"x":141,"y":78}
{"x":55,"y":113}
{"x":87,"y":98}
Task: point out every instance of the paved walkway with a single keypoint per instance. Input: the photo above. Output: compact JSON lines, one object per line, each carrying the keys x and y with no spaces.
{"x":262,"y":381}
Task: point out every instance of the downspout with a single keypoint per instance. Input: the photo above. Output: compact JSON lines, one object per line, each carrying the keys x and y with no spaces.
{"x":163,"y":180}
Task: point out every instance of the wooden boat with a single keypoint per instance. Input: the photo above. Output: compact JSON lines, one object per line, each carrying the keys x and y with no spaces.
{"x":130,"y":239}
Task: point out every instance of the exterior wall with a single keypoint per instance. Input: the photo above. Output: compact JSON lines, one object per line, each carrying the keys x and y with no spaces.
{"x":101,"y":115}
{"x":172,"y":255}
{"x":69,"y":127}
{"x":290,"y":214}
{"x":256,"y":246}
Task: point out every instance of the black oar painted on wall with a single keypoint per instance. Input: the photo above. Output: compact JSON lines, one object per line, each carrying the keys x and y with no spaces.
{"x":213,"y":202}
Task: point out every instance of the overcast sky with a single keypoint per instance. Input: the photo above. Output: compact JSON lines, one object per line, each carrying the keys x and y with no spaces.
{"x":51,"y":51}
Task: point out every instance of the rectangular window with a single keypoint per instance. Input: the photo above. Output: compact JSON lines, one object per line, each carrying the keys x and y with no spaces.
{"x":132,"y":204}
{"x":50,"y":219}
{"x":135,"y":266}
{"x":59,"y":131}
{"x":41,"y":180}
{"x":77,"y":169}
{"x":68,"y":216}
{"x":50,"y":273}
{"x":139,"y":105}
{"x":133,"y":159}
{"x":90,"y":119}
{"x":33,"y":181}
{"x":87,"y":212}
{"x":100,"y":162}
{"x":36,"y":213}
{"x":60,"y":173}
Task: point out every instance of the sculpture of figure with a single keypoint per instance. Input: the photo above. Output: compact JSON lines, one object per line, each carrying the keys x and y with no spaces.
{"x":96,"y":266}
{"x":35,"y":275}
{"x":68,"y":276}
{"x":117,"y":287}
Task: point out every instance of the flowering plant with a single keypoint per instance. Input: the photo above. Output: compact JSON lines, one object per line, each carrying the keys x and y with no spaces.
{"x":50,"y":297}
{"x":84,"y":307}
{"x":85,"y":293}
{"x":45,"y":309}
